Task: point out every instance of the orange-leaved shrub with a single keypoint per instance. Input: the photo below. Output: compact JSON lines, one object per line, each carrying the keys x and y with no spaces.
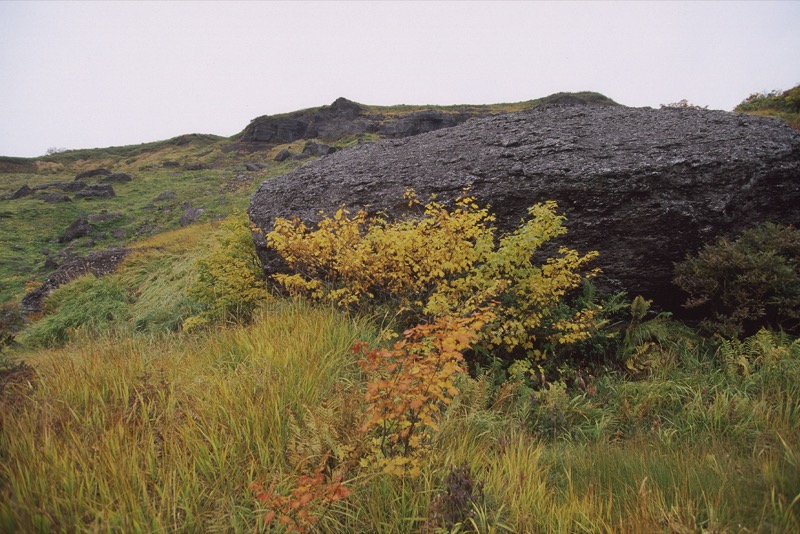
{"x":408,"y":387}
{"x":443,"y":263}
{"x":301,"y":509}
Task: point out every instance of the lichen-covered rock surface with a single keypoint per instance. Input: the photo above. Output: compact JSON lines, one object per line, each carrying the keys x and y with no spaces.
{"x":644,"y":187}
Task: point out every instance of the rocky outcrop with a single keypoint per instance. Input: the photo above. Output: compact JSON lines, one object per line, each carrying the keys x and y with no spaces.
{"x":190,"y":214}
{"x":422,"y":122}
{"x":92,"y":173}
{"x":55,"y":198}
{"x":96,"y":191}
{"x":22,"y":192}
{"x":118,"y":177}
{"x":340,"y":119}
{"x":345,"y":118}
{"x":313,"y":148}
{"x":98,"y":263}
{"x":79,"y":228}
{"x":644,"y":187}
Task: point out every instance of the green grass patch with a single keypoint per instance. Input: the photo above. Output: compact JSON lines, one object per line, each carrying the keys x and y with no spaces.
{"x":165,"y":433}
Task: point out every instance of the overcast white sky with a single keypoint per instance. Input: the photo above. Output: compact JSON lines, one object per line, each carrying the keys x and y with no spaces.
{"x":97,"y":74}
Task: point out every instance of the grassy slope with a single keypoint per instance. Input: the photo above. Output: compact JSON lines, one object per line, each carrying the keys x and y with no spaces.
{"x":162,"y":434}
{"x":31,"y":228}
{"x":142,"y":429}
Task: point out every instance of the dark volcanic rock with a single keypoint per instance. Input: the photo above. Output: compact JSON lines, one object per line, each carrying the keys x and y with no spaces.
{"x":196,"y":167}
{"x":252,"y":167}
{"x":313,"y":148}
{"x":283,"y":155}
{"x":93,"y":173}
{"x":642,"y":186}
{"x":344,"y":118}
{"x":340,"y":119}
{"x":98,"y":263}
{"x":23,"y":191}
{"x":118,"y":177}
{"x":421,"y":122}
{"x":166,"y":195}
{"x":63,"y":186}
{"x":190,"y":215}
{"x":71,"y":187}
{"x":104,"y":217}
{"x":79,"y":228}
{"x":96,"y":191}
{"x":55,"y":198}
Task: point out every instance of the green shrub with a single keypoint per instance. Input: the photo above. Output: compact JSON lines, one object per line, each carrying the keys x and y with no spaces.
{"x":88,"y":304}
{"x":230,"y":282}
{"x":746,"y":284}
{"x":780,"y":104}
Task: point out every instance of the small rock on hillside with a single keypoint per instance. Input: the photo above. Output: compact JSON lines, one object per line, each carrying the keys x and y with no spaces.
{"x":118,"y":177}
{"x":22,"y":192}
{"x":98,"y":263}
{"x":96,"y":191}
{"x":92,"y":173}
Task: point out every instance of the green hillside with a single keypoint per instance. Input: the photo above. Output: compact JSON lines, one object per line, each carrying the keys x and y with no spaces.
{"x":783,"y":105}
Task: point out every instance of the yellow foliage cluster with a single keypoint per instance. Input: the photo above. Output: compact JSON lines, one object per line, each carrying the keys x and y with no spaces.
{"x":443,"y":263}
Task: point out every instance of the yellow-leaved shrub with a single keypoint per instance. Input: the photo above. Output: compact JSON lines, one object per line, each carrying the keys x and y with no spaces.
{"x":443,"y":263}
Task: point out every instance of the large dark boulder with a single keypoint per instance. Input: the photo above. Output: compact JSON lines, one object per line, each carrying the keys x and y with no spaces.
{"x":98,"y":263}
{"x":644,"y":187}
